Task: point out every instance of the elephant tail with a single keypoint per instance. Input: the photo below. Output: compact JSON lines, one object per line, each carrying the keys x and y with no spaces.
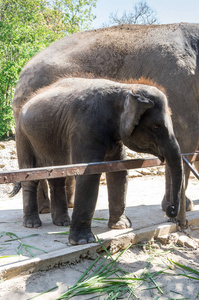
{"x":15,"y":190}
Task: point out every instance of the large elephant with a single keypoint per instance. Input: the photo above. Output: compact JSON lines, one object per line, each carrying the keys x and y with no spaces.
{"x":78,"y":120}
{"x":167,"y":54}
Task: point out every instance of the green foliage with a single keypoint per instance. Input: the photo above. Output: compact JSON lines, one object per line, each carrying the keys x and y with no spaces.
{"x":70,"y":16}
{"x":27,"y":26}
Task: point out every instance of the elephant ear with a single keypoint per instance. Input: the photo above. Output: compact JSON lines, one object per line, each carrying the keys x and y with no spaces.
{"x":134,"y":108}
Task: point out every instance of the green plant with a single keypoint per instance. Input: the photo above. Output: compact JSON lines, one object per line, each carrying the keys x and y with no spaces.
{"x":22,"y":246}
{"x":27,"y":26}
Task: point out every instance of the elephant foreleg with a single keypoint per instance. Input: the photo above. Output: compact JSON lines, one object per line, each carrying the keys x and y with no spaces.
{"x":117,"y":187}
{"x":86,"y":193}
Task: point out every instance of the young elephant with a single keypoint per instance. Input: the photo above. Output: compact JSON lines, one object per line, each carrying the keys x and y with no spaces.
{"x":80,"y":120}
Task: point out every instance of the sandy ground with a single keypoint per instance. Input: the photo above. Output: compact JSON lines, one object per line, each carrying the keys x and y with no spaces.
{"x":150,"y":261}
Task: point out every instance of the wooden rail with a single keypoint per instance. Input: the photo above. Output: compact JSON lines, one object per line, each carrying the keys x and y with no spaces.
{"x":83,"y":169}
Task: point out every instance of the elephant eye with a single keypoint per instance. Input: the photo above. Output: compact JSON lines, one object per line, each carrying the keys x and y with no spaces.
{"x":155,"y":128}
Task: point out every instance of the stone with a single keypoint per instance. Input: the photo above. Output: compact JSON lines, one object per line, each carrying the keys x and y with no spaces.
{"x":134,"y":173}
{"x":164,"y":239}
{"x":185,"y":241}
{"x":145,"y":171}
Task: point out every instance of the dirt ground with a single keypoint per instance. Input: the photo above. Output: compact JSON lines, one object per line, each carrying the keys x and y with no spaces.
{"x":151,"y":264}
{"x":146,"y":261}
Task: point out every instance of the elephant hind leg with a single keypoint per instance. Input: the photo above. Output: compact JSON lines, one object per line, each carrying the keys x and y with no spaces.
{"x":26,"y":159}
{"x":70,"y":190}
{"x":43,"y":198}
{"x":30,"y":208}
{"x":59,"y":207}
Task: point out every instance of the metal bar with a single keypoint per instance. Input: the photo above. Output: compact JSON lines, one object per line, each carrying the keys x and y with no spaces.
{"x":78,"y":169}
{"x":190,"y":167}
{"x":191,"y":157}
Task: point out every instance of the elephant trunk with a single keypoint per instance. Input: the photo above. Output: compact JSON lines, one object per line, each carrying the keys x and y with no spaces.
{"x":174,"y":161}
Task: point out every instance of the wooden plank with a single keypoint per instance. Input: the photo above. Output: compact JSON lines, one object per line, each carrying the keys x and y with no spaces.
{"x":83,"y":169}
{"x":77,"y":169}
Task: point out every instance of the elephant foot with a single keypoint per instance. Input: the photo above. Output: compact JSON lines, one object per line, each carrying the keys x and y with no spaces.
{"x":61,"y":219}
{"x":81,"y":237}
{"x":189,"y":204}
{"x":32,"y":221}
{"x":122,"y":223}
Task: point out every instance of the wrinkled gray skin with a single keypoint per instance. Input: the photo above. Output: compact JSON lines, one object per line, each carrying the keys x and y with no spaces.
{"x":166,"y":53}
{"x":87,"y":120}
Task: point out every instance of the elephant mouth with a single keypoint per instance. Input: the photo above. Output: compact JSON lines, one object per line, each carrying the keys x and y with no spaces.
{"x":161,"y":157}
{"x":148,"y":150}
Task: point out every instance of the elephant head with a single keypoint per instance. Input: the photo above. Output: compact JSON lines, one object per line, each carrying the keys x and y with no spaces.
{"x":146,"y":127}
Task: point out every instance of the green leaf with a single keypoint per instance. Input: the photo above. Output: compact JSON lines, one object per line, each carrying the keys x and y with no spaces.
{"x":184,"y":267}
{"x":23,"y":237}
{"x":100,"y":281}
{"x":8,"y":256}
{"x":50,"y":290}
{"x":21,"y":245}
